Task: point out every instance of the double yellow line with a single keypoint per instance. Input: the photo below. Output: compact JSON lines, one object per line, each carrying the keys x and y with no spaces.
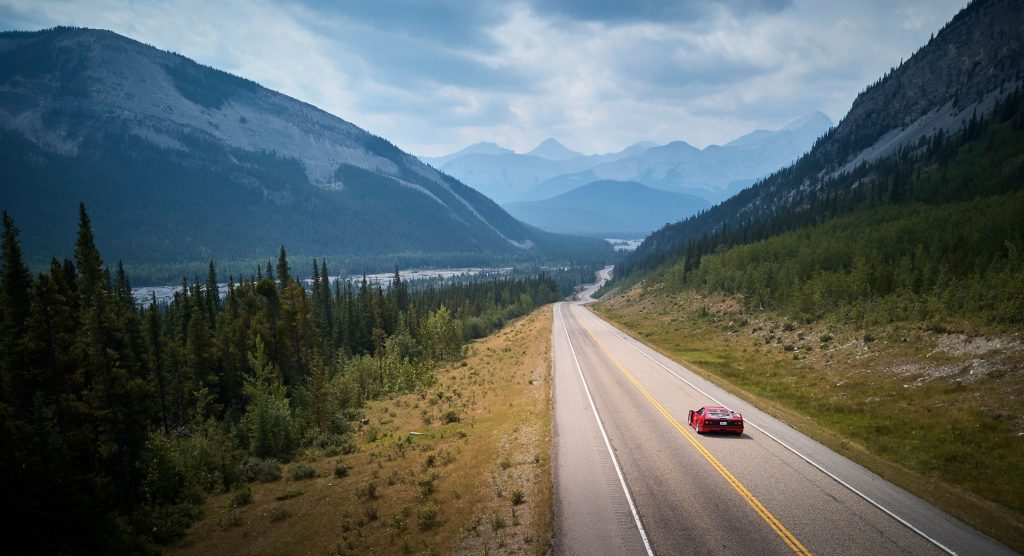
{"x":754,"y":503}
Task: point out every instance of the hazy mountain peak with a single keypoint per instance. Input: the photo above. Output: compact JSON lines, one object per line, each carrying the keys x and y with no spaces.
{"x":815,"y":119}
{"x":484,"y":147}
{"x":809,"y":126}
{"x":551,"y":149}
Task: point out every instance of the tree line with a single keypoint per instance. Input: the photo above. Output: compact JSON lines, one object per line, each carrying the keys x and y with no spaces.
{"x":118,"y":417}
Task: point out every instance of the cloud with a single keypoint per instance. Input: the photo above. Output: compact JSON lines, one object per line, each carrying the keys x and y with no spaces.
{"x":658,"y":11}
{"x":596,"y":74}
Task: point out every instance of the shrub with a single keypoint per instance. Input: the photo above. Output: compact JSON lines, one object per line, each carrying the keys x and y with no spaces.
{"x":165,"y":524}
{"x":279,"y":513}
{"x":517,"y":497}
{"x":263,"y":470}
{"x":229,"y":519}
{"x":341,"y":470}
{"x":497,"y":522}
{"x":398,"y":523}
{"x":242,"y":496}
{"x":288,"y":495}
{"x":428,"y":518}
{"x":367,"y":491}
{"x":301,"y":472}
{"x":427,"y":486}
{"x":450,"y":416}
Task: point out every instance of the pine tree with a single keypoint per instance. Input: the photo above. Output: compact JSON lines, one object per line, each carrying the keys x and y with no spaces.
{"x":283,"y":272}
{"x":15,"y":304}
{"x":88,"y":263}
{"x":212,"y":293}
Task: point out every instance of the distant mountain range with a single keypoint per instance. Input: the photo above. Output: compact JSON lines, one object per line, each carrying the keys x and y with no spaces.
{"x":181,"y":162}
{"x":609,"y":209}
{"x":713,"y":173}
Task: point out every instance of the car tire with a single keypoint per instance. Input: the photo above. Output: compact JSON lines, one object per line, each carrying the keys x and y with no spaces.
{"x":697,"y":426}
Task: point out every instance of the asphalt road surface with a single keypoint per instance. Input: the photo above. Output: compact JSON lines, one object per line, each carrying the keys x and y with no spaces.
{"x":631,"y":477}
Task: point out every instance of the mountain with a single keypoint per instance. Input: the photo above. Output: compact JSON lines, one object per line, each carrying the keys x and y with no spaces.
{"x":553,"y":150}
{"x":942,"y":128}
{"x":180,"y":162}
{"x":505,"y":175}
{"x":608,"y":209}
{"x":714,"y":173}
{"x":483,"y":147}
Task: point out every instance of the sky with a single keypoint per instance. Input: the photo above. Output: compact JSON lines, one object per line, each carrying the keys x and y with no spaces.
{"x":598,"y":75}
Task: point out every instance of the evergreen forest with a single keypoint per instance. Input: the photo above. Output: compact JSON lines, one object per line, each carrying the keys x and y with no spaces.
{"x":118,"y":418}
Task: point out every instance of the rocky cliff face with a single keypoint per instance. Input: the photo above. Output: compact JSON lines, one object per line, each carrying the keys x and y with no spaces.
{"x":962,"y":71}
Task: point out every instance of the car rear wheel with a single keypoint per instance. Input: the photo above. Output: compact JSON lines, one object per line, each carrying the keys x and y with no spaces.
{"x":697,"y":426}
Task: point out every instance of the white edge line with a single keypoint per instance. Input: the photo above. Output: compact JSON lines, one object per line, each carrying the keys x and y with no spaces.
{"x":607,"y":444}
{"x":616,"y":333}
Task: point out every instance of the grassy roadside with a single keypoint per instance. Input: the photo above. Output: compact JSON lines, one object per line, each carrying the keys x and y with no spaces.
{"x":940,"y":414}
{"x":475,"y":478}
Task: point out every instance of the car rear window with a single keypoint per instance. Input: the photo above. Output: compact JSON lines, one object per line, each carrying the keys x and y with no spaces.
{"x":719,"y":414}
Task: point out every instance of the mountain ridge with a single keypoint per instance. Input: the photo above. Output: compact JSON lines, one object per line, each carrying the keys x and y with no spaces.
{"x":192,"y":157}
{"x":712,"y":172}
{"x":608,"y":208}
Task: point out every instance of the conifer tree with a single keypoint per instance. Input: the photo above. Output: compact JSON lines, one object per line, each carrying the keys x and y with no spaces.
{"x":212,"y":293}
{"x":88,"y":263}
{"x":283,"y":272}
{"x":15,"y":303}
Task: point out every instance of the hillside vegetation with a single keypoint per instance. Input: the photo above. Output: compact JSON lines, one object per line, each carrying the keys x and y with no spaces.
{"x":933,"y":234}
{"x":118,"y":420}
{"x":461,"y":467}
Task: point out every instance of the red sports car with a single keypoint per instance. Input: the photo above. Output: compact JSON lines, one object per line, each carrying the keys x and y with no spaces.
{"x":712,"y":418}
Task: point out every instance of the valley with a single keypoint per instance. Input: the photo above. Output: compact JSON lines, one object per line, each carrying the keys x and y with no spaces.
{"x":239,"y":316}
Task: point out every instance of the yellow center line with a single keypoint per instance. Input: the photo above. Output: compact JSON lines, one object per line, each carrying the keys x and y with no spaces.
{"x":754,"y":503}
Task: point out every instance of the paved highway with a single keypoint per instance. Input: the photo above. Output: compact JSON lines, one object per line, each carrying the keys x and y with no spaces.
{"x":632,"y":478}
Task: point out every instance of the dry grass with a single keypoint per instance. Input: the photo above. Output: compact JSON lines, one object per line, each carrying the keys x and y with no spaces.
{"x":448,"y":489}
{"x":940,"y":414}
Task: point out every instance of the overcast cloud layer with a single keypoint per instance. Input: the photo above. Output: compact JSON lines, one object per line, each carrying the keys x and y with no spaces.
{"x":598,"y":75}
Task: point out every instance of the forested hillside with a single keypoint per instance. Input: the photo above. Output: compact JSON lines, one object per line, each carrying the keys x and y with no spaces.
{"x":117,"y":420}
{"x":933,"y":232}
{"x":912,"y":202}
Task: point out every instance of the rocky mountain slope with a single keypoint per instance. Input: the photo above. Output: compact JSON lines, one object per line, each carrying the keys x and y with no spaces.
{"x":181,"y":162}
